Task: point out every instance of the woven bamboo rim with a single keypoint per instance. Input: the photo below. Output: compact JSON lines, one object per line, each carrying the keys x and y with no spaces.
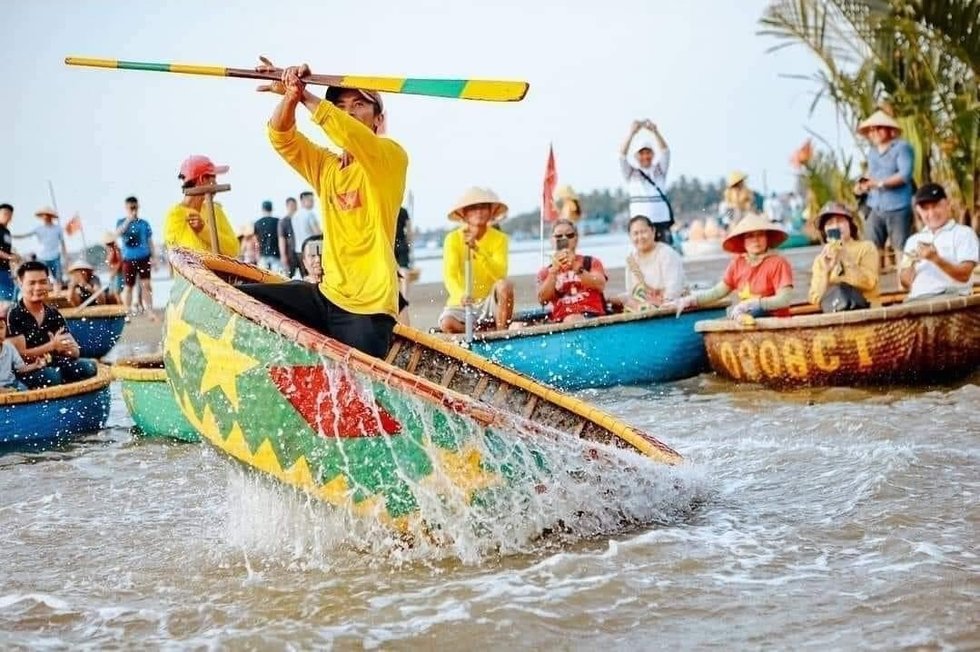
{"x":68,"y":390}
{"x":201,"y":270}
{"x":894,"y":311}
{"x":637,"y":438}
{"x":140,"y":368}
{"x":94,"y":312}
{"x":605,"y":320}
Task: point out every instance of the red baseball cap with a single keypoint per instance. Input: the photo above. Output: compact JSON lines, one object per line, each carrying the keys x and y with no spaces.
{"x":195,"y":167}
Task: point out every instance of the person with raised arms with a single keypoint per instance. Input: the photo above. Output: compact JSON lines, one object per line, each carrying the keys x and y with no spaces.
{"x":360,"y":191}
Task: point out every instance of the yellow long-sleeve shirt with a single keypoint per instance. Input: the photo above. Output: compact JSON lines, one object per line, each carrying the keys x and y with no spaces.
{"x":489,"y":264}
{"x":359,"y":208}
{"x":178,"y":233}
{"x":859,"y":264}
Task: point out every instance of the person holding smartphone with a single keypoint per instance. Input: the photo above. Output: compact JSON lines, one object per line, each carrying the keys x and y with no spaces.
{"x":846,"y":271}
{"x":572,"y":284}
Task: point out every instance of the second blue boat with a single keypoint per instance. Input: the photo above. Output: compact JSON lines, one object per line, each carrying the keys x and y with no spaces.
{"x":624,"y":349}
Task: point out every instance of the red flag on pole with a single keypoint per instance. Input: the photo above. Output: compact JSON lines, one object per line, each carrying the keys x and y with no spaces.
{"x":549,"y":212}
{"x":74,"y":225}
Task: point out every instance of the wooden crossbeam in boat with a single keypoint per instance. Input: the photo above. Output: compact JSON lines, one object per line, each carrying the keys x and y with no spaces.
{"x":393,"y":352}
{"x":481,"y":386}
{"x":501,"y":395}
{"x":529,"y":407}
{"x":413,"y":359}
{"x":447,"y":376}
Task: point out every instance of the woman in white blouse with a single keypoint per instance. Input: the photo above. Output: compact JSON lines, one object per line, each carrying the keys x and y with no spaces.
{"x":654,"y":271}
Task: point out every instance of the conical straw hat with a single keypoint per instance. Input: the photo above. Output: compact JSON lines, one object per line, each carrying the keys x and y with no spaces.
{"x":474,"y":196}
{"x":878,"y":119}
{"x":751,"y":223}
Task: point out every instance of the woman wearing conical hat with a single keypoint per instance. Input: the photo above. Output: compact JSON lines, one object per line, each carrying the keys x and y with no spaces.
{"x":492,"y":294}
{"x":891,"y":162}
{"x":845,"y":272}
{"x":761,"y":278}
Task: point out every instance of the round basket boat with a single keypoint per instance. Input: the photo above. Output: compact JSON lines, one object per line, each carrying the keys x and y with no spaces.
{"x":378,"y":438}
{"x":55,"y":413}
{"x":919,"y":343}
{"x":150,"y":398}
{"x":95,"y":328}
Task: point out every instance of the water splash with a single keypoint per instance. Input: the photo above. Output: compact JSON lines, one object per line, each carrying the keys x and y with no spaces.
{"x":585,"y":492}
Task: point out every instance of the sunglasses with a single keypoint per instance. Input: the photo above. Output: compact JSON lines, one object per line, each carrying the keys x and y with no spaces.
{"x":565,"y":236}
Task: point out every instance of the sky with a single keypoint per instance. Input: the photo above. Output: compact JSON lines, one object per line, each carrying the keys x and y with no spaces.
{"x":698,"y":69}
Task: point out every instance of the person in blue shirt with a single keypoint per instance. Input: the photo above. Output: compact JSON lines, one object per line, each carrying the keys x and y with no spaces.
{"x":888,"y":183}
{"x":136,"y":242}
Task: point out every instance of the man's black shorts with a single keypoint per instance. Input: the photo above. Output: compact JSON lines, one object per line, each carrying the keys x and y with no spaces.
{"x":305,"y":303}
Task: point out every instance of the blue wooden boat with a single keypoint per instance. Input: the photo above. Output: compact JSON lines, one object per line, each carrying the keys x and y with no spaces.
{"x":624,"y":349}
{"x":55,"y":413}
{"x":95,"y":328}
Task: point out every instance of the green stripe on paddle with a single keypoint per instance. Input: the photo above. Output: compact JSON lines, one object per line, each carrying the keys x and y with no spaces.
{"x":434,"y":87}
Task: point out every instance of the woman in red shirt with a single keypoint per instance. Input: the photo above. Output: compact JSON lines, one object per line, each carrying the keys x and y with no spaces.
{"x":762,"y":278}
{"x":572,"y":284}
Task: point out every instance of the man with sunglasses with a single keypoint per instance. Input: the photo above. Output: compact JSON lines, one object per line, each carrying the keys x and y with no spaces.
{"x":573,"y":284}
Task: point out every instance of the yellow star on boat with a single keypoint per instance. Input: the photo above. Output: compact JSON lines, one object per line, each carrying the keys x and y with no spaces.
{"x":177,"y":330}
{"x":223,"y":363}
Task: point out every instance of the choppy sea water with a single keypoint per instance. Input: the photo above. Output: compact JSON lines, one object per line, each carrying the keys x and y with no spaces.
{"x":831,"y":519}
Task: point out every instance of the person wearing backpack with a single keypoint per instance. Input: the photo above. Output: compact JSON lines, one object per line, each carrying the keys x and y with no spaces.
{"x":572,"y":284}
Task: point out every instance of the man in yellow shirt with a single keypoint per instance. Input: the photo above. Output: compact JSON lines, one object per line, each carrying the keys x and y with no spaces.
{"x":187,"y":223}
{"x":360,"y":192}
{"x":492,"y":293}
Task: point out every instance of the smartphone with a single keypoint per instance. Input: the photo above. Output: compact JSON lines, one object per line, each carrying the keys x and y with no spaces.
{"x":833,"y":234}
{"x":562,"y":244}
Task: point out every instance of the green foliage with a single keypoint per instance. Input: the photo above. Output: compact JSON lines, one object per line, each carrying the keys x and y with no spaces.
{"x":921,"y":57}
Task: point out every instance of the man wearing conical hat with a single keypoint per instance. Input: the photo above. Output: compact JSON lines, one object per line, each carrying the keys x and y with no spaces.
{"x":492,"y":294}
{"x":647,"y":180}
{"x":51,"y":239}
{"x":360,"y":191}
{"x":891,"y":162}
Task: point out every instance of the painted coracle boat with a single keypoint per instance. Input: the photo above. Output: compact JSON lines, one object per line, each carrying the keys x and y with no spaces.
{"x":95,"y":328}
{"x":149,"y":398}
{"x":625,"y":349}
{"x":919,"y":343}
{"x":55,"y":413}
{"x":378,"y":438}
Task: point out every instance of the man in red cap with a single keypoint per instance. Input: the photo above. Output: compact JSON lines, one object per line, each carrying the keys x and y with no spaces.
{"x":360,"y":192}
{"x":187,"y":223}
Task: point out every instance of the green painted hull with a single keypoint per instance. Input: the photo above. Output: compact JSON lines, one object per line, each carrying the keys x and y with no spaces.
{"x":373,"y":448}
{"x":154,"y":411}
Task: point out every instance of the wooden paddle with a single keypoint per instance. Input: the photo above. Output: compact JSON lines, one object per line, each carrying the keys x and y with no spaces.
{"x":468,"y":306}
{"x":487,"y":90}
{"x":208,"y":192}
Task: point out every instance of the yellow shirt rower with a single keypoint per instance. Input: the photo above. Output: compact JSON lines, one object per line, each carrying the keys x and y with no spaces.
{"x":360,"y":193}
{"x":492,"y":295}
{"x":187,"y":223}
